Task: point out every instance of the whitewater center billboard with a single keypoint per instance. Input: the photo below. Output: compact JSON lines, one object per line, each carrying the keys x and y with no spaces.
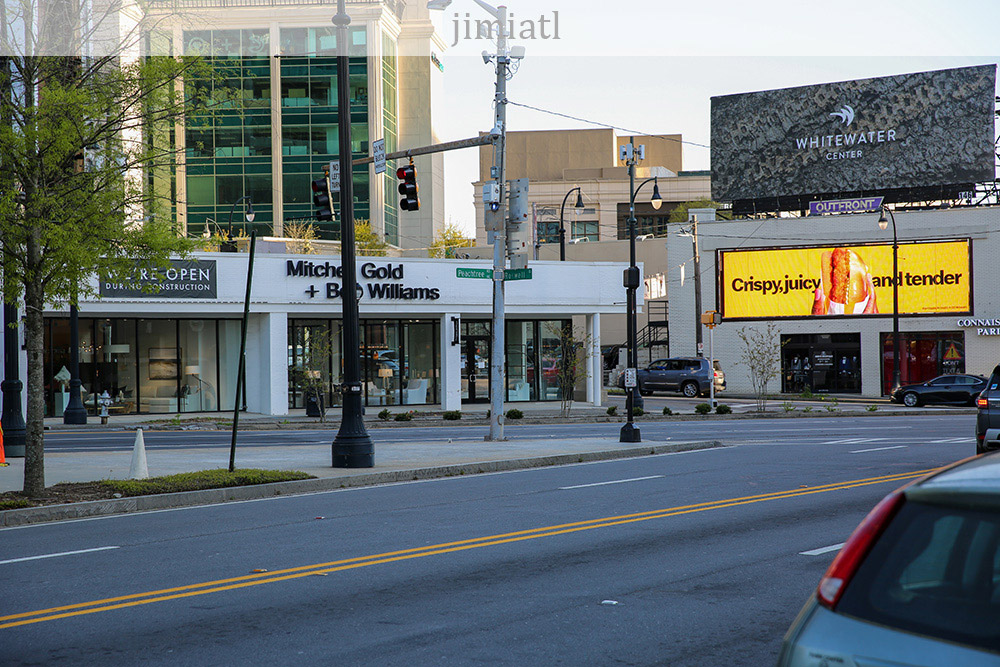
{"x":912,"y":133}
{"x":845,"y":280}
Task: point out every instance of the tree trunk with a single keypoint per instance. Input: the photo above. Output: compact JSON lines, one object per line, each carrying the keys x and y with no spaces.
{"x":34,"y":454}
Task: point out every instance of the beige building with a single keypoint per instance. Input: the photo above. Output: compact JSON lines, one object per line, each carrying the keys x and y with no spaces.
{"x":556,"y":161}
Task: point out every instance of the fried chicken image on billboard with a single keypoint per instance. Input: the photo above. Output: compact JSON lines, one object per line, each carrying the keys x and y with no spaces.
{"x":846,"y":287}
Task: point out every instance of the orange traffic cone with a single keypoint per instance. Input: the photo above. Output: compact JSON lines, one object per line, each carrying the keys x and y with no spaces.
{"x":3,"y":460}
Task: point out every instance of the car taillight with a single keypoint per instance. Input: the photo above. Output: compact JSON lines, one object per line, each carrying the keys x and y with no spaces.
{"x":981,"y":403}
{"x":843,"y":567}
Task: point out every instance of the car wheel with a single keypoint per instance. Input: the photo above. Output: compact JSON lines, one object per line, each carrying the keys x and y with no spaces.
{"x":689,"y":389}
{"x":911,"y":400}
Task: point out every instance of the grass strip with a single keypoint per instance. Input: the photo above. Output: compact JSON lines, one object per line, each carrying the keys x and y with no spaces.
{"x":219,"y":478}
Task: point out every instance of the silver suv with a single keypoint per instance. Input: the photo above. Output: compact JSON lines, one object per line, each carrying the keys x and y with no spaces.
{"x":690,"y":376}
{"x":917,"y":583}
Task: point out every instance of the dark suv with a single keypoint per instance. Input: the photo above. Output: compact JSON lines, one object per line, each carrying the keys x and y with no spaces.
{"x":691,"y":376}
{"x":988,"y":417}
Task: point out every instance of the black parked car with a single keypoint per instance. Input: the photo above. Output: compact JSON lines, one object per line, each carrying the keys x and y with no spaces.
{"x":950,"y":389}
{"x":988,"y":415}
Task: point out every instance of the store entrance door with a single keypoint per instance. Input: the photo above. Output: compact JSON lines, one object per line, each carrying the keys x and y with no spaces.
{"x":475,"y":369}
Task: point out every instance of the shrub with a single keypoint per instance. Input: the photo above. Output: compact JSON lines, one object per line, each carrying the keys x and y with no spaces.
{"x":703,"y":408}
{"x":722,"y":409}
{"x":787,"y":406}
{"x":514,"y":413}
{"x":667,"y":411}
{"x":612,"y":410}
{"x":385,"y":414}
{"x":638,"y":412}
{"x":872,"y":408}
{"x":404,"y":417}
{"x":452,"y":415}
{"x":808,"y":408}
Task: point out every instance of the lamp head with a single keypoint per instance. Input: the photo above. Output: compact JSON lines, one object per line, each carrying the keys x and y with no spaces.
{"x":579,"y":199}
{"x":883,"y":222}
{"x":656,"y":201}
{"x":250,"y":214}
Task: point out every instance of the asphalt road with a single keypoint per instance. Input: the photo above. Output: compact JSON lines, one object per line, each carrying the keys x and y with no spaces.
{"x":701,"y":558}
{"x":900,"y":430}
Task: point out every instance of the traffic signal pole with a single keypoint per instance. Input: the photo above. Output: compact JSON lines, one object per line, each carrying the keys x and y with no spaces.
{"x":353,"y":447}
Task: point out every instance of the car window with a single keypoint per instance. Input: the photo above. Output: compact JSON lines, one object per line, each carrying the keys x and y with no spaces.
{"x":935,"y":571}
{"x":944,"y":379}
{"x":658,"y":365}
{"x":965,"y":379}
{"x":691,"y":365}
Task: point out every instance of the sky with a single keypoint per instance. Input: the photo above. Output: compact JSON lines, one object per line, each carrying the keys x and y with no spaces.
{"x":653,"y":67}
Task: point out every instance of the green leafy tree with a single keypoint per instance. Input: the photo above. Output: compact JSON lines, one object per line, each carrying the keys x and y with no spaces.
{"x":79,"y":145}
{"x":450,"y":238}
{"x":367,"y":241}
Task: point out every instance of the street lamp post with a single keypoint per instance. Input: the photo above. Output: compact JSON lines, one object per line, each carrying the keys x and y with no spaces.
{"x":562,"y":228}
{"x":883,"y":223}
{"x":229,"y":245}
{"x":353,"y":446}
{"x":12,"y":421}
{"x":629,"y":432}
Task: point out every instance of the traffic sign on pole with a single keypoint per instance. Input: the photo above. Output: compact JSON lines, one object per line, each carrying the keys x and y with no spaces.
{"x":334,"y":176}
{"x":378,"y":152}
{"x":474,"y":273}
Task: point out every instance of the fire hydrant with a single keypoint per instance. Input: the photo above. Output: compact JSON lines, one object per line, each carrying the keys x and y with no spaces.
{"x":105,"y":400}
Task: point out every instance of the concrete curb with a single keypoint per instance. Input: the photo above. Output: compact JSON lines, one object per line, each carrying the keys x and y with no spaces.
{"x":31,"y":515}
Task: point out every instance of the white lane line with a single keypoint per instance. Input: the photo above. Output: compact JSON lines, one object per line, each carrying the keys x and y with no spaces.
{"x":64,"y":553}
{"x":878,"y":449}
{"x":617,"y":481}
{"x":853,"y":441}
{"x":822,"y":550}
{"x":952,"y":441}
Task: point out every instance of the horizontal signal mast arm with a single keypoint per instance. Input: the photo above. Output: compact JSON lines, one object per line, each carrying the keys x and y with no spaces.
{"x":481,"y":140}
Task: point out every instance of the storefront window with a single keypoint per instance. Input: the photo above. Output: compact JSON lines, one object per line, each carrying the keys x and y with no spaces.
{"x":199,"y":360}
{"x":923,"y":356}
{"x":821,"y":363}
{"x":420,"y":367}
{"x":229,"y":353}
{"x":520,"y":358}
{"x":115,"y":364}
{"x":159,"y":367}
{"x":549,"y":373}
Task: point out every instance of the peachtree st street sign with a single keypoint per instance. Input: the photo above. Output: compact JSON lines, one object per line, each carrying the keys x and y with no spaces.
{"x":184,"y":279}
{"x":858,"y":205}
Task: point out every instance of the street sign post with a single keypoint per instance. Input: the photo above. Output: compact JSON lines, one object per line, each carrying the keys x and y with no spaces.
{"x":517,"y":274}
{"x":378,"y":152}
{"x":334,"y":176}
{"x":486,"y":274}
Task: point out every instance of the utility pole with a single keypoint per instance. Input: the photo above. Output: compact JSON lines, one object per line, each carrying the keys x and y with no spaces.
{"x":497,"y":371}
{"x":699,"y":345}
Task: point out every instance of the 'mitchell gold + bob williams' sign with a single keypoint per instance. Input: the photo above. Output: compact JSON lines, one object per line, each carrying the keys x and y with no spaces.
{"x":382,"y":281}
{"x":813,"y":281}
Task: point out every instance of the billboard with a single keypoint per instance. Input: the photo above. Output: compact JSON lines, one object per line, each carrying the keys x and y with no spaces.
{"x":911,"y":131}
{"x":935,"y":277}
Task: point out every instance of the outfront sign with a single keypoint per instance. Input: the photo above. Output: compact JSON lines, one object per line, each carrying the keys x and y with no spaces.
{"x":919,"y":130}
{"x":858,"y":205}
{"x":934,"y":278}
{"x":184,"y":279}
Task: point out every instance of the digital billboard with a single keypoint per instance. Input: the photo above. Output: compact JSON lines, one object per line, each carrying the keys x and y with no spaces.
{"x":911,"y":131}
{"x":840,"y":280}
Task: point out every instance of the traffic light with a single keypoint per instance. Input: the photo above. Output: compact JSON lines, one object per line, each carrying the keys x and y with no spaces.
{"x":408,"y":188}
{"x":321,"y":198}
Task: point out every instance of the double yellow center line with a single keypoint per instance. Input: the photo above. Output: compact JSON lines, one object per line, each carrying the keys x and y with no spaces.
{"x":136,"y":599}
